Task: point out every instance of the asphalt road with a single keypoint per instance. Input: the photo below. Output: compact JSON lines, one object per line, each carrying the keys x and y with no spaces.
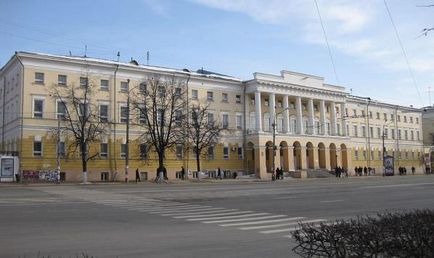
{"x":216,"y":219}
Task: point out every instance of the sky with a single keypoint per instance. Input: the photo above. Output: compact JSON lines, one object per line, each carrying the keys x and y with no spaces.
{"x":366,"y":50}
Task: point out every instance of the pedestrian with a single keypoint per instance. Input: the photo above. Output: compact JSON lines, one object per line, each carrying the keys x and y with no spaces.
{"x":413,"y":170}
{"x":137,"y":175}
{"x":355,"y":171}
{"x":365,"y":171}
{"x":182,"y":173}
{"x":219,"y":173}
{"x":336,"y":172}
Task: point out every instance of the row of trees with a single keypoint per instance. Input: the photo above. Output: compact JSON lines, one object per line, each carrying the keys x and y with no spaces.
{"x":166,"y":118}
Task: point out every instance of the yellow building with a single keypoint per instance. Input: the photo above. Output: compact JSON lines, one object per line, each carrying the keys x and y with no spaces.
{"x":317,"y":126}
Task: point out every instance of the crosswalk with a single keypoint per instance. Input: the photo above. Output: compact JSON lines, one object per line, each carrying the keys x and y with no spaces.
{"x":245,"y":220}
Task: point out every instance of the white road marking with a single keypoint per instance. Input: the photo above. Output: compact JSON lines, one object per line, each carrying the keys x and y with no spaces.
{"x":289,"y":229}
{"x":330,"y":201}
{"x":212,"y":215}
{"x":197,"y":212}
{"x":396,"y":185}
{"x":224,"y":219}
{"x":261,"y":222}
{"x":285,"y":197}
{"x":271,"y":226}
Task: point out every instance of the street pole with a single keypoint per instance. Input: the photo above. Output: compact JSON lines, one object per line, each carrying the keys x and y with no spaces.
{"x":384,"y":148}
{"x":58,"y":150}
{"x":127,"y":156}
{"x":369,"y":133}
{"x":274,"y":147}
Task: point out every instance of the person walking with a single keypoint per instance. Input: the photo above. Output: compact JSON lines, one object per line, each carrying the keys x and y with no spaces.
{"x":137,"y":175}
{"x":219,"y":173}
{"x":182,"y":173}
{"x":413,"y":170}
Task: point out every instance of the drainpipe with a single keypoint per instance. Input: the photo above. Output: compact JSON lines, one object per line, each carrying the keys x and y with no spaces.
{"x":3,"y":118}
{"x":188,"y":130}
{"x":245,"y":128}
{"x":113,"y":145}
{"x":20,"y":155}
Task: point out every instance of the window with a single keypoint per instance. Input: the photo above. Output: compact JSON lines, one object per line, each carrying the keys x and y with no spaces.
{"x":61,"y":80}
{"x":103,"y":113}
{"x":356,"y":155}
{"x":193,"y":94}
{"x":417,"y":120}
{"x":378,"y":115}
{"x":379,"y":155}
{"x":123,"y":114}
{"x":354,"y":112}
{"x":417,"y":135}
{"x":392,"y":117}
{"x":363,"y":113}
{"x":178,"y":92}
{"x":238,"y":99}
{"x":38,"y":108}
{"x":39,"y":78}
{"x":124,"y":86}
{"x":224,"y":97}
{"x":364,"y":155}
{"x":161,"y":92}
{"x":370,"y":114}
{"x":266,"y":102}
{"x":83,"y":109}
{"x":84,"y":82}
{"x":123,"y":150}
{"x":178,"y":117}
{"x":143,"y":150}
{"x":142,"y":115}
{"x":279,"y":103}
{"x":104,"y":85}
{"x":399,"y":134}
{"x":355,"y":130}
{"x":60,"y":109}
{"x":210,"y":119}
{"x":385,"y":116}
{"x":371,"y":132}
{"x":37,"y":148}
{"x":240,"y":153}
{"x":160,"y":116}
{"x":209,"y":96}
{"x":225,"y":121}
{"x":393,"y":133}
{"x":399,"y":118}
{"x":61,"y":149}
{"x":405,"y":119}
{"x":239,"y":122}
{"x":405,"y":135}
{"x":363,"y":131}
{"x":210,"y":152}
{"x":412,"y":135}
{"x":225,"y":152}
{"x":386,"y":133}
{"x":379,"y":132}
{"x":143,"y":87}
{"x":179,"y":151}
{"x":103,"y":153}
{"x":411,"y":119}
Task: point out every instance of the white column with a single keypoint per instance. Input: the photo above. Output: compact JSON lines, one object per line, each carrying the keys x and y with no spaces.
{"x":300,"y":129}
{"x":333,"y":117}
{"x":285,"y":114}
{"x":343,"y":118}
{"x":272,"y":110}
{"x":322,"y":116}
{"x":258,"y":111}
{"x":311,"y":118}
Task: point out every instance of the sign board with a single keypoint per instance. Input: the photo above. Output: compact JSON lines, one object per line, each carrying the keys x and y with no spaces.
{"x":388,"y":165}
{"x":7,"y":167}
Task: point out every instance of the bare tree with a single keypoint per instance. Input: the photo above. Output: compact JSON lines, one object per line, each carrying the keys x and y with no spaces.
{"x":425,"y":31}
{"x":161,"y":103}
{"x":203,"y":132}
{"x":80,"y":119}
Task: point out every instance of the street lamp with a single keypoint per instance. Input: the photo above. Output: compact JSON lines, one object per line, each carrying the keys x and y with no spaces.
{"x":274,"y":137}
{"x":127,"y":154}
{"x":384,"y":147}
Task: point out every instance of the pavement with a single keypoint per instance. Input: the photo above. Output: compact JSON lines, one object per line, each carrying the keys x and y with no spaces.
{"x":214,"y":218}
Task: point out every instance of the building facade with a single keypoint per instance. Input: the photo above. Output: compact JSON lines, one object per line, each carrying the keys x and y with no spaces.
{"x":315,"y":126}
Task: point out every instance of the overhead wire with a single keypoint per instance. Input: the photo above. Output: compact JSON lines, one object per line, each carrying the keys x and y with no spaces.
{"x":327,"y":42}
{"x":403,"y":51}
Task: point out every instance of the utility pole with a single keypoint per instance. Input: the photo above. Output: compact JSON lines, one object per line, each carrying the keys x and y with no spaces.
{"x":127,"y":154}
{"x":58,"y":149}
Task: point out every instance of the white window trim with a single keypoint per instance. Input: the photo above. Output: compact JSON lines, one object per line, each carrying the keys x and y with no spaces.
{"x":33,"y":106}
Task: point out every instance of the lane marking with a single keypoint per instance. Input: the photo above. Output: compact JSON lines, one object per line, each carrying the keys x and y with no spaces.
{"x":285,"y":197}
{"x":230,"y":218}
{"x":271,"y":226}
{"x":290,"y":229}
{"x":198,"y":212}
{"x":212,"y":215}
{"x":261,"y":222}
{"x":330,"y":201}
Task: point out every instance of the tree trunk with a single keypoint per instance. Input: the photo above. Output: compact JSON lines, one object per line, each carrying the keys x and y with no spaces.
{"x":161,"y":164}
{"x":198,"y":160}
{"x":84,"y":164}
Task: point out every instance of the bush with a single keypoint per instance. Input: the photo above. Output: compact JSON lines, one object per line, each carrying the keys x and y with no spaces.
{"x":403,"y":234}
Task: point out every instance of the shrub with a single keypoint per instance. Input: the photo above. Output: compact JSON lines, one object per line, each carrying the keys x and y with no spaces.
{"x":402,"y":234}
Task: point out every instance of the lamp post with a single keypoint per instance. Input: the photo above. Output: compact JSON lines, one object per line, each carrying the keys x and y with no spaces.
{"x":274,"y":138}
{"x":127,"y":154}
{"x":58,"y":150}
{"x":384,"y":147}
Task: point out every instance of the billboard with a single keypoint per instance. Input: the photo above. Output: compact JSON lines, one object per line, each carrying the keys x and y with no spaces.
{"x":388,"y":165}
